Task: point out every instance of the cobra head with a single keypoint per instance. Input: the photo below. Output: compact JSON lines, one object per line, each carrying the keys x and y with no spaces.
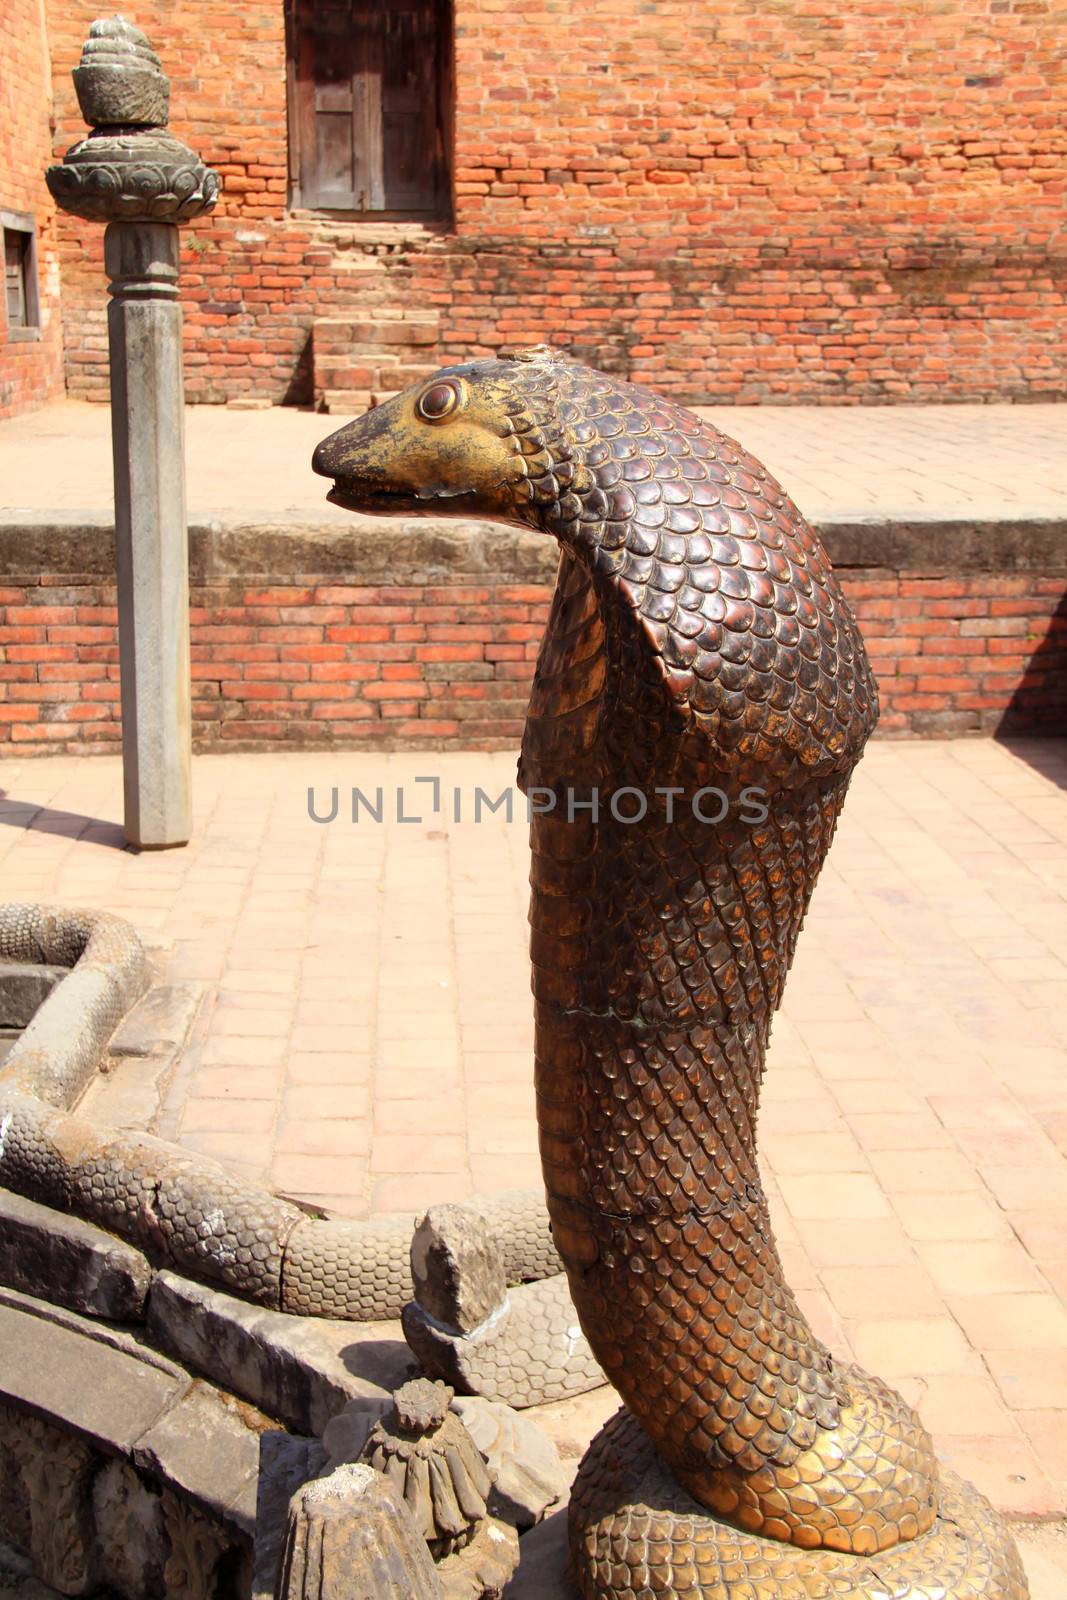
{"x":446,"y":447}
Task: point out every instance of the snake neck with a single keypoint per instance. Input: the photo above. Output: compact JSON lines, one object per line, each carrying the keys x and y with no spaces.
{"x":660,"y":949}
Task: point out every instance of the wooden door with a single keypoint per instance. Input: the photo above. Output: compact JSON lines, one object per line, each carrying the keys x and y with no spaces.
{"x":368,"y":85}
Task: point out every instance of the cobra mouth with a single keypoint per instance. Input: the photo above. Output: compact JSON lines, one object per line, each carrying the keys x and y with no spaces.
{"x":369,"y":499}
{"x":392,"y":502}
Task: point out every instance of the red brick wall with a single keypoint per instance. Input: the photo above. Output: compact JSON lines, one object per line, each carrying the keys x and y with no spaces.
{"x":737,"y":201}
{"x":329,"y":664}
{"x":31,"y":370}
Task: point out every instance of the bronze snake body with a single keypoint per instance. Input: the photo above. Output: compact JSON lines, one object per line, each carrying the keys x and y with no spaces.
{"x":701,"y":698}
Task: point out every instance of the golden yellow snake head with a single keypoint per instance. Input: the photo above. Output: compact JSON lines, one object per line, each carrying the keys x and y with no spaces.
{"x":458,"y":444}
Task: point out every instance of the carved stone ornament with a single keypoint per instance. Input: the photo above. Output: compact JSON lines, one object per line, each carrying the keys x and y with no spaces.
{"x":426,"y":1453}
{"x":196,"y":1547}
{"x":431,"y":1459}
{"x":129,"y":169}
{"x":119,"y":81}
{"x":56,"y":1470}
{"x":350,"y":1537}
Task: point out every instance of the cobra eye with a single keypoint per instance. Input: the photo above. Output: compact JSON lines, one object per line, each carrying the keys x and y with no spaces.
{"x":438,"y":401}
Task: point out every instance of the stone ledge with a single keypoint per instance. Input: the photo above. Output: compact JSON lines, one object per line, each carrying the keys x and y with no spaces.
{"x":160,"y":1022}
{"x":144,"y":1055}
{"x":24,"y":989}
{"x":302,"y":1370}
{"x":71,"y":1262}
{"x":123,"y":1399}
{"x":362,"y":550}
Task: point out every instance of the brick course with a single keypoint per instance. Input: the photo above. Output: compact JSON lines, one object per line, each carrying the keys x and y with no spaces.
{"x":31,"y":370}
{"x":316,"y":663}
{"x":736,"y":202}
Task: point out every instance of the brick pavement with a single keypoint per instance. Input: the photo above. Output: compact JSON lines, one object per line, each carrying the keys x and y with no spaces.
{"x":919,"y":461}
{"x":366,"y":1042}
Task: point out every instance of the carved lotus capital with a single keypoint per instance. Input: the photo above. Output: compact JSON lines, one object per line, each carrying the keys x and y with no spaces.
{"x":142,"y":176}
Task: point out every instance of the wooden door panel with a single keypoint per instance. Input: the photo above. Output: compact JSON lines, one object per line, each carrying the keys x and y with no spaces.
{"x":334,"y":183}
{"x":332,"y":177}
{"x":366,"y":103}
{"x":366,"y":32}
{"x":410,"y":111}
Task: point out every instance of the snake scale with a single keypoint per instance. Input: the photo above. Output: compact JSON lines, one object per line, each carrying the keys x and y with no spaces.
{"x":701,"y":698}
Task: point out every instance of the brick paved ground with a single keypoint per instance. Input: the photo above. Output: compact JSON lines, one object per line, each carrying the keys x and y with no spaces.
{"x":996,"y":460}
{"x":367,"y":1037}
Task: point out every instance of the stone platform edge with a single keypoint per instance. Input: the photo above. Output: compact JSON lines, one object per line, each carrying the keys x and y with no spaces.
{"x":415,"y":550}
{"x":422,"y":633}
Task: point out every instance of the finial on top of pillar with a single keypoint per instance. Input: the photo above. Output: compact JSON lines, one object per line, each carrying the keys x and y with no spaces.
{"x":119,"y":80}
{"x":129,"y":169}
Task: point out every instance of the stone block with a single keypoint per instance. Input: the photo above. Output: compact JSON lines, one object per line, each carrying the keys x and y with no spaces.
{"x":543,"y":1562}
{"x":523,"y":1462}
{"x":60,"y":1258}
{"x":203,"y":1448}
{"x":52,"y":1363}
{"x":345,"y":402}
{"x":302,"y":1370}
{"x":160,"y":1022}
{"x":285,"y":1464}
{"x":457,"y":1269}
{"x":105,"y":1388}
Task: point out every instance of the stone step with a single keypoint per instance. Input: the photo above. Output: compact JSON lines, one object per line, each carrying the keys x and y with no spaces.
{"x":407,"y":373}
{"x":87,"y":1400}
{"x":355,"y":374}
{"x":367,"y":380}
{"x":346,"y":369}
{"x":345,"y":402}
{"x":377,"y":351}
{"x":343,"y":332}
{"x":387,"y":313}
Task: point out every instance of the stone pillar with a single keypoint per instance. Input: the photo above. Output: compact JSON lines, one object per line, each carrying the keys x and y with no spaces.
{"x":135,"y":176}
{"x":144,"y":322}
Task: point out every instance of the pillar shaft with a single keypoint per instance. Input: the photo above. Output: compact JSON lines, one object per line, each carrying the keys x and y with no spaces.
{"x":134,"y":175}
{"x":152,"y":563}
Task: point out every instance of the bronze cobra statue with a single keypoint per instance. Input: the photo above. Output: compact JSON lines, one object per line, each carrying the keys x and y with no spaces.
{"x":701,"y":698}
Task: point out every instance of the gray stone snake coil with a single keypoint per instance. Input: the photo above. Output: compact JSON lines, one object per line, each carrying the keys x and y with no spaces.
{"x":185,"y":1211}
